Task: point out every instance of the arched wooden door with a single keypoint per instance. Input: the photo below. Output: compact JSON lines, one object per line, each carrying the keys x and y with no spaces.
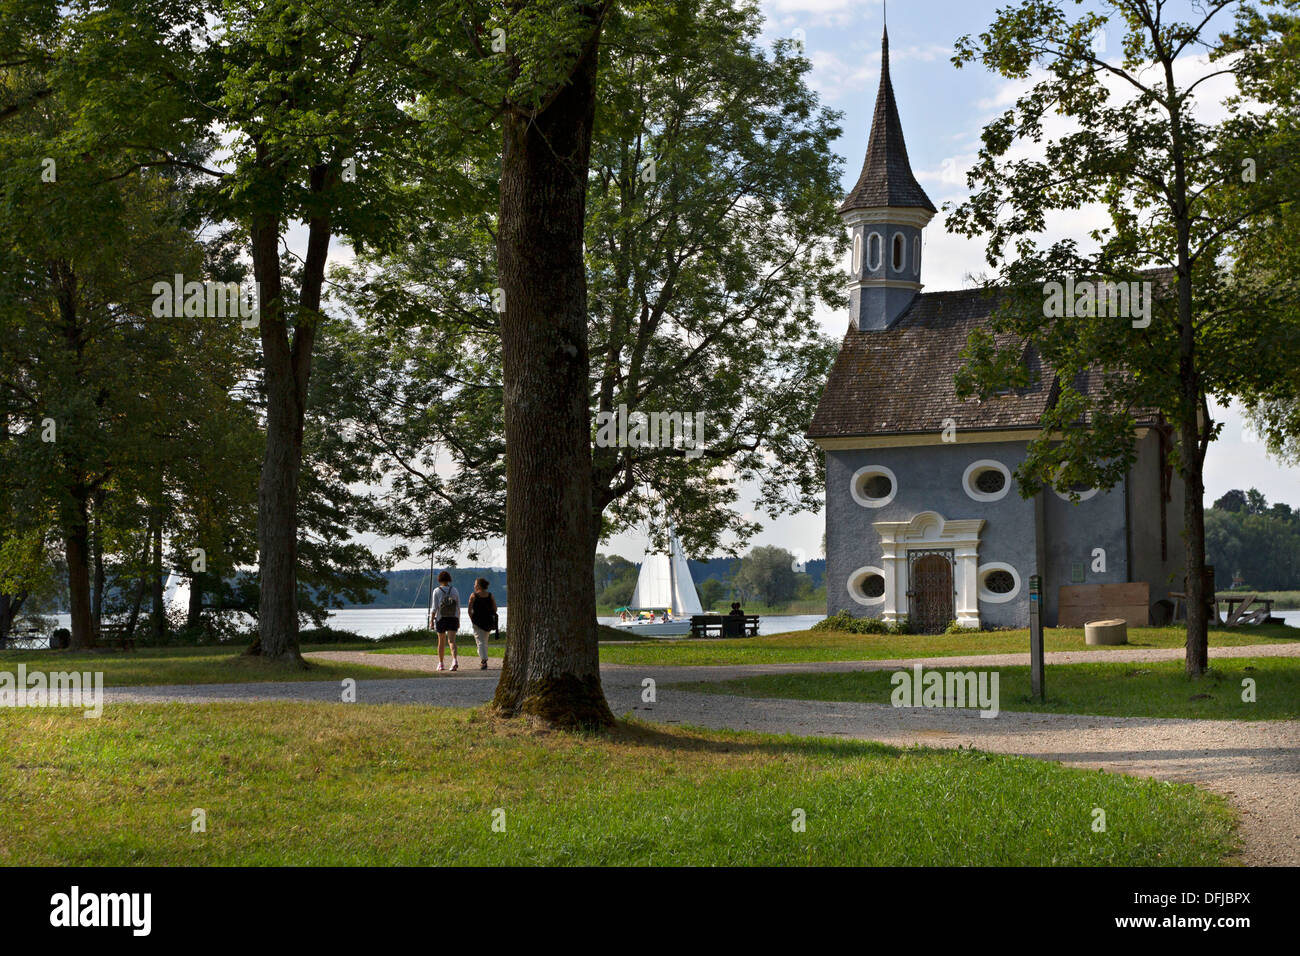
{"x":930,"y":594}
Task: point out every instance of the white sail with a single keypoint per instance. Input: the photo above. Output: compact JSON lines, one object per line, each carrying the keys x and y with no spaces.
{"x":654,"y":587}
{"x":176,"y":592}
{"x":665,"y":582}
{"x":686,"y":599}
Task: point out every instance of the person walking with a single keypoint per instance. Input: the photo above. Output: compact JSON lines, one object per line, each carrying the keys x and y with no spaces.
{"x":483,"y":618}
{"x":446,"y":617}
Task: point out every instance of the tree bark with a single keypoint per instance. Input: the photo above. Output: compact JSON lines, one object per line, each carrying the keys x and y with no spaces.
{"x":76,"y":541}
{"x":287,"y":369}
{"x":552,"y":668}
{"x":97,"y":602}
{"x":156,"y":584}
{"x":10,"y":605}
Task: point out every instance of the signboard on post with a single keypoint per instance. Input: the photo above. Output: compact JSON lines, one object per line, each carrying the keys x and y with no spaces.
{"x":1036,"y":636}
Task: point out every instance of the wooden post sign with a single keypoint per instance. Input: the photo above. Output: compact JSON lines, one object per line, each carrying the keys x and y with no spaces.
{"x":1036,"y":636}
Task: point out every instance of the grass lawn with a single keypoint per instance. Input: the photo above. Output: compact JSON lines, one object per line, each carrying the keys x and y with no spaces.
{"x":192,"y":665}
{"x":804,"y":646}
{"x":298,"y":783}
{"x":1113,"y":689}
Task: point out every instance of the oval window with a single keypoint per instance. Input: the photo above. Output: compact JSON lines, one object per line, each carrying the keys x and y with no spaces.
{"x":916,"y":255}
{"x":873,"y":486}
{"x":867,"y":586}
{"x":987,"y":480}
{"x":990,"y":481}
{"x":998,"y":583}
{"x":857,"y":254}
{"x":899,"y":249}
{"x":873,"y":251}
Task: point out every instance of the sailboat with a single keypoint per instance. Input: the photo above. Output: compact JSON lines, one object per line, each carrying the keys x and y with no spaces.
{"x":664,"y":587}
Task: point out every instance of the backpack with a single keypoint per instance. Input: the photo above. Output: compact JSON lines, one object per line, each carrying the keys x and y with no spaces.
{"x":447,"y":606}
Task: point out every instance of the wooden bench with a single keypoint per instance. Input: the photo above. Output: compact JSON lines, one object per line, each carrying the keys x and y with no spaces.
{"x":115,"y":635}
{"x":724,"y":625}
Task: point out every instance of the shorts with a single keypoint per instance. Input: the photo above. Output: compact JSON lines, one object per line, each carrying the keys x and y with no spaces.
{"x":447,"y":624}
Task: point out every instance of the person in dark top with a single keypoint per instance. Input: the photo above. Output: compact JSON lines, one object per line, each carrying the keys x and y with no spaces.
{"x":483,"y":617}
{"x":735,"y":610}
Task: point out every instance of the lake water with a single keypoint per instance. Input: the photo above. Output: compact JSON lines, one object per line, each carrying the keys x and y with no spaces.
{"x":371,"y":622}
{"x":377,"y":622}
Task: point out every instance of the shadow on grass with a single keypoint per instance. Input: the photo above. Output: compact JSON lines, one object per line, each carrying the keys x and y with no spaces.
{"x":685,"y":737}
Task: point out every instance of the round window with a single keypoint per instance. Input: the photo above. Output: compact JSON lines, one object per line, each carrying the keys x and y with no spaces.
{"x":1000,"y":582}
{"x":867,"y":586}
{"x":877,"y":486}
{"x":990,"y":481}
{"x":873,"y":486}
{"x":986,"y":480}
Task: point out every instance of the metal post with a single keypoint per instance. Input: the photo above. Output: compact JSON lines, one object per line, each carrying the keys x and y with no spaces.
{"x":1036,"y":637}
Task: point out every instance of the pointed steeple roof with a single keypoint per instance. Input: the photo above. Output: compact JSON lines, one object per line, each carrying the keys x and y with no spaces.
{"x":886,"y":178}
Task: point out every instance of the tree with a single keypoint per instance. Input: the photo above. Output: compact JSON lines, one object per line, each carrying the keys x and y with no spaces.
{"x":712,"y":592}
{"x":1177,"y":199}
{"x":551,"y":670}
{"x":1233,"y":500}
{"x":711,"y":233}
{"x":767,"y":576}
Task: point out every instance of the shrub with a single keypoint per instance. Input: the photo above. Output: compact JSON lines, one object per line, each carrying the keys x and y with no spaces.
{"x":329,"y":635}
{"x":845,"y":622}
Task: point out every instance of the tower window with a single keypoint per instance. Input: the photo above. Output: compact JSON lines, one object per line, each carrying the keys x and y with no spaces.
{"x":857,"y":254}
{"x":916,"y":255}
{"x":899,"y":248}
{"x":873,"y":252}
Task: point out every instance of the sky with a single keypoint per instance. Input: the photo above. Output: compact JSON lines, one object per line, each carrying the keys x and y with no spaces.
{"x":944,"y":111}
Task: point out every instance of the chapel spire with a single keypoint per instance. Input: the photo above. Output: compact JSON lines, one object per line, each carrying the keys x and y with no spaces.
{"x":886,"y":212}
{"x":886,"y":178}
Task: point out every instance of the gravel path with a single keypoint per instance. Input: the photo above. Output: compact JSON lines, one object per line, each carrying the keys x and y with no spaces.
{"x":1256,"y":764}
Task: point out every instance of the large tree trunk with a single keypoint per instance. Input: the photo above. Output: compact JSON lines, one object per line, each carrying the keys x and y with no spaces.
{"x":10,"y":605}
{"x":287,"y":367}
{"x":1198,"y":600}
{"x":76,"y":546}
{"x":97,"y":603}
{"x":156,"y":583}
{"x":552,"y":668}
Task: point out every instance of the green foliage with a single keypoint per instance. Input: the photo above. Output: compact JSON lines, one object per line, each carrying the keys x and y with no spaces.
{"x":1175,"y":197}
{"x":845,"y":622}
{"x":702,"y":278}
{"x":1250,"y":539}
{"x":712,"y":593}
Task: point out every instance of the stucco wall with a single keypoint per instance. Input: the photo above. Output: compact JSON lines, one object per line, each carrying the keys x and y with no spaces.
{"x":1072,"y":535}
{"x":929,"y":479}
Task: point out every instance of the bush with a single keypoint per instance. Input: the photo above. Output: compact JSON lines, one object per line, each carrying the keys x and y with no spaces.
{"x":329,"y":635}
{"x":846,"y":623}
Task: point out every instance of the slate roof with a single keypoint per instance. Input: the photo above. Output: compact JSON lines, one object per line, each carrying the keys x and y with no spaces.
{"x":899,"y":381}
{"x":886,"y":178}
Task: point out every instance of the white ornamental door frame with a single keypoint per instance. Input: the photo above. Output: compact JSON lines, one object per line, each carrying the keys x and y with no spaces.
{"x":931,"y":530}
